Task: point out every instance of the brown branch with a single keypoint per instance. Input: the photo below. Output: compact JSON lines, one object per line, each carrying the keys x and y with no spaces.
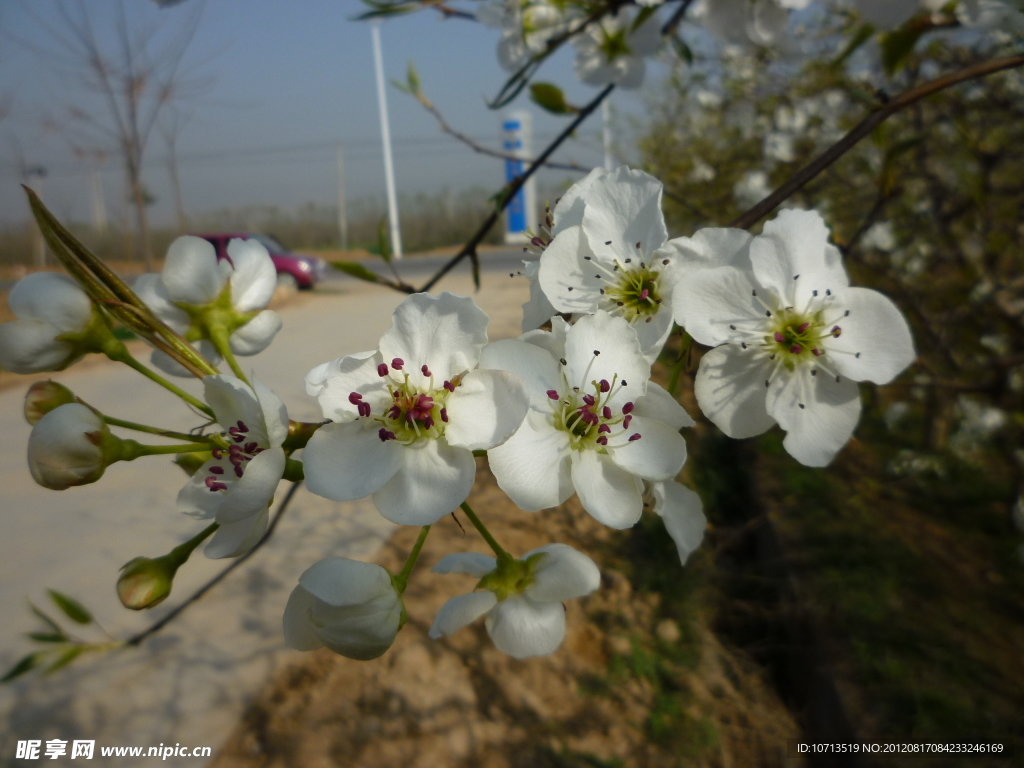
{"x":509,"y":192}
{"x":863,"y":128}
{"x":157,"y":626}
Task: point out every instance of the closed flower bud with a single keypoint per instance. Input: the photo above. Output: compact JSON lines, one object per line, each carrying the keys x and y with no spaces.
{"x":43,"y":397}
{"x":350,"y":606}
{"x":191,"y":462}
{"x":145,"y":582}
{"x":70,"y":445}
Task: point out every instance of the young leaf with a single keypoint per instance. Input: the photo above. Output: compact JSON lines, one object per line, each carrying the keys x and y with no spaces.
{"x":550,"y":97}
{"x":860,"y":37}
{"x":47,"y":637}
{"x":46,"y":619}
{"x":355,"y":269}
{"x":66,"y":658}
{"x":413,"y":79}
{"x":897,"y":45}
{"x":20,"y":668}
{"x":682,"y":49}
{"x":73,"y":609}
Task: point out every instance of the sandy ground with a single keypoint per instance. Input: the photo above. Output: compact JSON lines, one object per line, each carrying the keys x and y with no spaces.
{"x":189,"y":684}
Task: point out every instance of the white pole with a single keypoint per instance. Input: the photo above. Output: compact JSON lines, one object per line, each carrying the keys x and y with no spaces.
{"x":606,"y":116}
{"x":385,"y":136}
{"x":342,"y":212}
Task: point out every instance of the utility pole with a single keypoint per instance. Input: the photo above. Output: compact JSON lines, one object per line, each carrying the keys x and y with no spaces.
{"x":385,"y":136}
{"x":606,"y":117}
{"x":342,"y":212}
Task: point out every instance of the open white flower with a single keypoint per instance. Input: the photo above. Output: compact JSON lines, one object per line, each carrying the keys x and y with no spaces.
{"x":350,"y":606}
{"x":612,"y":51}
{"x":522,"y":599}
{"x":794,"y":337}
{"x":53,"y":329}
{"x":741,"y":22}
{"x":238,"y":483}
{"x":67,"y":447}
{"x":409,"y":416}
{"x":596,"y":425}
{"x":527,"y":26}
{"x":683,"y":513}
{"x":611,"y":260}
{"x":202,"y":297}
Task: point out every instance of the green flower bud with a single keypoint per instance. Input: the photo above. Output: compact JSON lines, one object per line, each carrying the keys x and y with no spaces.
{"x":145,"y":582}
{"x":43,"y":396}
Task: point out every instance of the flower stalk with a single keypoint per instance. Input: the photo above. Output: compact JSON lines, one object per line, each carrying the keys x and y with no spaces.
{"x":479,"y":525}
{"x":402,"y":577}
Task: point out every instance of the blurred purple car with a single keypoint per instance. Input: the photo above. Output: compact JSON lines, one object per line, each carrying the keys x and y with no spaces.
{"x":301,"y":271}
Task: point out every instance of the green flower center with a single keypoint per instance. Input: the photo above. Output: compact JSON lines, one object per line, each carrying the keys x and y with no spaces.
{"x":636,"y":293}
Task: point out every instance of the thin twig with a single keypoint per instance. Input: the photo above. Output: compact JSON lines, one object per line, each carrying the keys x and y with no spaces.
{"x":156,"y":627}
{"x":863,"y":128}
{"x":673,"y":23}
{"x":517,"y":183}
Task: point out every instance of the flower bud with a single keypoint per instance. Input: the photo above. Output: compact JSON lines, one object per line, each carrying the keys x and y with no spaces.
{"x":191,"y":462}
{"x":70,"y":445}
{"x":351,"y":607}
{"x":43,"y":397}
{"x":145,"y":582}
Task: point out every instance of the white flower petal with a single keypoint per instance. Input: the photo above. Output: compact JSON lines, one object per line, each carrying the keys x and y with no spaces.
{"x":522,"y":628}
{"x":608,"y":492}
{"x":460,"y":611}
{"x":570,"y":284}
{"x":730,"y":391}
{"x":532,"y":466}
{"x":793,"y":257}
{"x":53,"y":298}
{"x":319,"y":378}
{"x":197,"y":499}
{"x":445,"y":333}
{"x":233,"y":401}
{"x":256,"y":335}
{"x":341,"y":582}
{"x":553,"y":341}
{"x":618,"y":357}
{"x":563,"y":573}
{"x":537,"y":369}
{"x":473,"y":563}
{"x":624,"y":207}
{"x":875,"y":343}
{"x":816,"y":431}
{"x":254,"y":490}
{"x":150,"y":288}
{"x":360,"y":632}
{"x":537,"y":310}
{"x":486,"y":409}
{"x":254,"y":277}
{"x":433,"y":480}
{"x":299,"y":632}
{"x":652,"y":332}
{"x":29,"y":346}
{"x":710,"y":247}
{"x":569,"y":209}
{"x":708,"y":301}
{"x":659,"y":454}
{"x":683,"y":513}
{"x":60,"y":454}
{"x":660,"y":405}
{"x":191,"y":272}
{"x":344,"y":462}
{"x":236,"y":538}
{"x":275,"y":415}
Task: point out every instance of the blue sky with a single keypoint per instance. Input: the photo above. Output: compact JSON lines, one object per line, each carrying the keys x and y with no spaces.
{"x":287,"y":82}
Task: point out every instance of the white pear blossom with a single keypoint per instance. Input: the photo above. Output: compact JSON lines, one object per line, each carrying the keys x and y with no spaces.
{"x":67,"y":447}
{"x":236,"y":485}
{"x":612,"y":51}
{"x":200,"y":296}
{"x":526,"y":25}
{"x":52,"y":331}
{"x":351,"y":607}
{"x":611,"y":259}
{"x":791,"y":337}
{"x":683,"y":513}
{"x":741,"y":22}
{"x":521,"y":599}
{"x":596,"y":425}
{"x":408,"y":416}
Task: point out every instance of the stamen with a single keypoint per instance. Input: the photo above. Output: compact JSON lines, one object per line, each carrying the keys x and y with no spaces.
{"x":382,"y":370}
{"x":444,"y":415}
{"x":385,"y":435}
{"x":552,"y":394}
{"x":397,"y":363}
{"x":217,"y":470}
{"x":425,"y":371}
{"x":634,"y":437}
{"x":606,"y":412}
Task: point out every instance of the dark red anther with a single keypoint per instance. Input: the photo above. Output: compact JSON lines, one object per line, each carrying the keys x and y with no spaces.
{"x":604,"y":428}
{"x":354,"y":398}
{"x":250,"y":447}
{"x":836,"y":331}
{"x":537,"y":242}
{"x":606,"y":412}
{"x":796,"y":349}
{"x":428,"y":422}
{"x":634,"y":437}
{"x":385,"y":435}
{"x":382,"y":370}
{"x":552,"y":394}
{"x":394,"y":412}
{"x":602,"y":440}
{"x":397,"y":363}
{"x":449,"y":386}
{"x":424,"y":370}
{"x":238,"y":470}
{"x":242,"y":427}
{"x":627,"y":408}
{"x":213,"y":485}
{"x":217,"y":470}
{"x":779,"y":337}
{"x":588,"y":399}
{"x":218,"y":453}
{"x":803,"y":327}
{"x":625,"y":422}
{"x":444,"y":415}
{"x":364,"y":409}
{"x":604,"y":385}
{"x":644,"y":294}
{"x":817,"y":352}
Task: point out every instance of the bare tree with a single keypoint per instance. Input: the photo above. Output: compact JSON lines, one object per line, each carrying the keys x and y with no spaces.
{"x":137,"y":75}
{"x":171,"y":129}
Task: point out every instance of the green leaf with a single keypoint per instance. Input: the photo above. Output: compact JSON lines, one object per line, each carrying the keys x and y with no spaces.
{"x":860,"y":37}
{"x":413,"y":79}
{"x":383,"y":241}
{"x":682,"y":49}
{"x":66,"y":658}
{"x":897,"y":45}
{"x":46,"y":637}
{"x":45,"y":619}
{"x":355,"y":269}
{"x":73,"y":609}
{"x":550,"y":97}
{"x":20,"y":668}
